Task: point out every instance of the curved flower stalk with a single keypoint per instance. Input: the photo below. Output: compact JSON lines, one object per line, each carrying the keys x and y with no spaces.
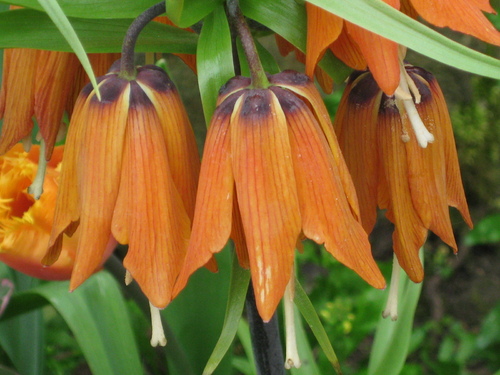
{"x":401,"y":153}
{"x":43,"y":85}
{"x":25,"y":223}
{"x":361,"y":49}
{"x":130,"y":171}
{"x":272,"y":173}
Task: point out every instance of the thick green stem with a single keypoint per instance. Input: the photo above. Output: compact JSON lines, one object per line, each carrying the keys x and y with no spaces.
{"x":127,"y":67}
{"x":258,"y":75}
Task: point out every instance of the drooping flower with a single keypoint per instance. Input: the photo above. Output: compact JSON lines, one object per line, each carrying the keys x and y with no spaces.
{"x":25,"y":223}
{"x":272,"y":173}
{"x":130,"y":171}
{"x":401,"y":153}
{"x":40,"y":84}
{"x":361,"y":49}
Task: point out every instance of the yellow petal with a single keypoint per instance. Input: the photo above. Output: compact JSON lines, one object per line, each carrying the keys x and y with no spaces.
{"x":325,"y":211}
{"x":267,"y":195}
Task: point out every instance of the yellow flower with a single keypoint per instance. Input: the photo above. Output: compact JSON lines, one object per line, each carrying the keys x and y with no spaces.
{"x":25,"y":224}
{"x":130,"y":171}
{"x":272,"y":173}
{"x":401,"y":154}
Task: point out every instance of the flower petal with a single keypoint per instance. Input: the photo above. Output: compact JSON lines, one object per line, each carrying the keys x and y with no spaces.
{"x":214,"y":201}
{"x":99,"y":164}
{"x":325,"y":211}
{"x":410,"y":233}
{"x":267,"y":194}
{"x":323,"y":28}
{"x":149,"y":205}
{"x":461,"y":15}
{"x":18,"y":95}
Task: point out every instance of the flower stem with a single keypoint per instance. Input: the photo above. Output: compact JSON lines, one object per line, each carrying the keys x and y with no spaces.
{"x":127,"y":67}
{"x":266,"y":341}
{"x":258,"y":75}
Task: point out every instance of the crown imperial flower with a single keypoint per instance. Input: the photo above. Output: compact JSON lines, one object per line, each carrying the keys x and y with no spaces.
{"x":130,"y":171}
{"x":401,"y":153}
{"x":272,"y":173}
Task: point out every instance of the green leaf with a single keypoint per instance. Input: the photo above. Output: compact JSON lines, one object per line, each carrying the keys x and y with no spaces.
{"x":487,"y":231}
{"x":196,"y":316}
{"x":392,"y":338}
{"x":61,"y":21}
{"x":383,"y":19}
{"x":26,"y":28}
{"x":289,"y":19}
{"x":237,"y":293}
{"x":186,"y":13}
{"x":97,"y":315}
{"x":268,"y":62}
{"x":309,"y":366}
{"x":214,"y":59}
{"x":23,"y":337}
{"x":309,"y":313}
{"x":89,"y":9}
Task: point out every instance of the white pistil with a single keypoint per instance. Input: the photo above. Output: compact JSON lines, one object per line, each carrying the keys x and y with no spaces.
{"x":391,"y":307}
{"x":158,"y":335}
{"x":403,"y":92}
{"x":36,"y":187}
{"x":292,"y":354}
{"x":128,"y":277}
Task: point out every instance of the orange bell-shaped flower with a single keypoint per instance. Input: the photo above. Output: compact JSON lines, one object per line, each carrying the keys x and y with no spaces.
{"x":130,"y":171}
{"x":401,"y":154}
{"x":272,"y":173}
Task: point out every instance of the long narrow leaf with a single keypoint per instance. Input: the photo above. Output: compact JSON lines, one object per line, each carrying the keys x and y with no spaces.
{"x":88,"y":8}
{"x":214,"y":59}
{"x":237,"y":293}
{"x":27,"y":28}
{"x":309,"y":313}
{"x":97,"y":315}
{"x":392,"y":338}
{"x":61,"y":21}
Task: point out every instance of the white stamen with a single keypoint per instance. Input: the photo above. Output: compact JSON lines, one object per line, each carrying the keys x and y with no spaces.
{"x":128,"y":277}
{"x":36,"y":187}
{"x":391,"y":307}
{"x":292,"y":354}
{"x":158,"y":335}
{"x":403,"y":93}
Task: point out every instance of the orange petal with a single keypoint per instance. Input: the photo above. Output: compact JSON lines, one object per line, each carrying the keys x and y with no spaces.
{"x":323,"y":28}
{"x":238,"y":236}
{"x":267,"y":194}
{"x":181,"y":146}
{"x":454,"y":187}
{"x":356,"y":127}
{"x":18,"y":92}
{"x":149,"y":205}
{"x":214,"y":200}
{"x":410,"y":233}
{"x":99,"y":164}
{"x":381,"y":55}
{"x":321,"y":195}
{"x":304,"y":87}
{"x":56,"y":73}
{"x":346,"y":49}
{"x":461,"y":15}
